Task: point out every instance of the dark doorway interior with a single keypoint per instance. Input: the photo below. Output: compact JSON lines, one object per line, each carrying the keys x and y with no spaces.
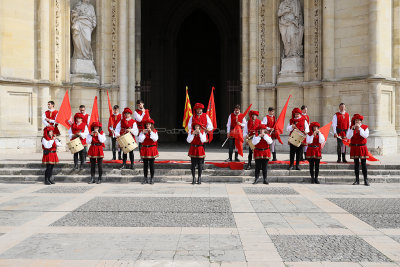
{"x":192,"y":43}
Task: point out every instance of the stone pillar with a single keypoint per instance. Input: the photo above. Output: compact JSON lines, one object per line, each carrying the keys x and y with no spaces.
{"x":132,"y":54}
{"x":328,"y":40}
{"x":123,"y":54}
{"x":245,"y":52}
{"x":138,"y":40}
{"x":253,"y":54}
{"x":380,"y":38}
{"x":396,"y":39}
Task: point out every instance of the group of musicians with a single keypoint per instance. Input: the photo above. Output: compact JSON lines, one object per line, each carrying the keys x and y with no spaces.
{"x":260,"y":135}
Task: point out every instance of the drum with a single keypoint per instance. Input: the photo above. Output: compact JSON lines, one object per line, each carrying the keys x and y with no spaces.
{"x":75,"y":145}
{"x":296,"y":138}
{"x":127,"y":143}
{"x":250,"y":143}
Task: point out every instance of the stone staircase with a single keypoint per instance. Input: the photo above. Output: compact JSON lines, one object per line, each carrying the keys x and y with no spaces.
{"x":329,"y":173}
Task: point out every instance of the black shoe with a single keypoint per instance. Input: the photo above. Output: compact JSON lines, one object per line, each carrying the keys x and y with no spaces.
{"x":98,"y":181}
{"x":344,"y":158}
{"x":297,"y":168}
{"x":123,"y":166}
{"x":291,"y":167}
{"x":339,"y":159}
{"x":312,"y":180}
{"x":114,"y":156}
{"x":255,"y":180}
{"x":228,"y":160}
{"x":317,"y":181}
{"x":151,"y":181}
{"x":356,"y":182}
{"x":274,"y":156}
{"x":145,"y":181}
{"x":265,"y":181}
{"x":366,"y":183}
{"x":75,"y":166}
{"x":237,"y":160}
{"x":46,"y":182}
{"x":81,"y":166}
{"x":132,"y":166}
{"x":199,"y":180}
{"x":194,"y":180}
{"x":51,"y":180}
{"x":92,"y":180}
{"x":248,"y":167}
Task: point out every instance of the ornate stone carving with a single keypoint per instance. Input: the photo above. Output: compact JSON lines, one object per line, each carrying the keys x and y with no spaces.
{"x":114,"y":42}
{"x":83,"y":21}
{"x":317,"y":40}
{"x":291,"y":27}
{"x":262,"y":43}
{"x":57,"y":51}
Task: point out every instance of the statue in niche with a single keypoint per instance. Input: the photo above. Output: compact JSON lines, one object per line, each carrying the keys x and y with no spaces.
{"x":291,"y":27}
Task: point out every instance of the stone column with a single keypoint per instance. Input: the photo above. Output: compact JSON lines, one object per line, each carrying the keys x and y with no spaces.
{"x":245,"y":51}
{"x":328,"y":40}
{"x":123,"y":54}
{"x":132,"y":54}
{"x":138,"y":40}
{"x":396,"y":39}
{"x":253,"y":53}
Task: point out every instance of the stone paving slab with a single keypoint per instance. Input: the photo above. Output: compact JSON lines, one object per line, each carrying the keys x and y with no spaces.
{"x":270,"y":190}
{"x":64,"y":189}
{"x":33,"y":203}
{"x":17,"y":217}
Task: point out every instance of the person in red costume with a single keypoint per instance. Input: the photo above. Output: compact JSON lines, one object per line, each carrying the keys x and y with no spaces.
{"x":249,"y":131}
{"x":270,"y":121}
{"x":233,"y":120}
{"x":50,"y":158}
{"x":340,"y":125}
{"x":358,"y":134}
{"x":79,"y":129}
{"x":96,"y":139}
{"x":49,"y":117}
{"x":314,"y":139}
{"x":262,"y":154}
{"x":298,"y":122}
{"x":141,"y":115}
{"x":116,"y":117}
{"x":148,"y":152}
{"x":304,"y":110}
{"x":127,"y":125}
{"x":196,"y":138}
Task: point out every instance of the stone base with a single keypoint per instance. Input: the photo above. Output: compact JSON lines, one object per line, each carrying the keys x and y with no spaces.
{"x":82,"y":66}
{"x":291,"y":78}
{"x":292,"y":65}
{"x":85,"y":78}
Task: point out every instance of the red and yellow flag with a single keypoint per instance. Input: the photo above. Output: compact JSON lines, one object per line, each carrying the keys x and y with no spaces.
{"x":212,"y":114}
{"x":187,"y":113}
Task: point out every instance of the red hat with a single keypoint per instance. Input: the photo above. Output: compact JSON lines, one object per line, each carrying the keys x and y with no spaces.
{"x":356,"y":117}
{"x":198,"y":105}
{"x":262,"y":127}
{"x":46,"y":131}
{"x":96,"y":124}
{"x":78,"y":115}
{"x":313,"y":124}
{"x":296,"y":110}
{"x":127,"y":110}
{"x":253,"y":112}
{"x":149,"y":121}
{"x":196,"y":122}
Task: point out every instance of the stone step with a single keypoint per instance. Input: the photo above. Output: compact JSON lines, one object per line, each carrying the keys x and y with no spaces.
{"x":188,"y":178}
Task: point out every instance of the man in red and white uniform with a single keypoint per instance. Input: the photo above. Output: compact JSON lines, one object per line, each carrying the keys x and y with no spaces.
{"x":305,"y":146}
{"x":249,"y":131}
{"x":50,"y":158}
{"x":196,"y":138}
{"x":96,"y":139}
{"x":49,"y":117}
{"x":85,"y":119}
{"x":358,"y":134}
{"x":148,"y":151}
{"x":270,"y":121}
{"x":127,"y":125}
{"x":112,"y":125}
{"x":233,"y":120}
{"x":340,"y":125}
{"x":203,"y":118}
{"x":300,"y":123}
{"x":262,"y":154}
{"x":141,"y":115}
{"x":314,"y":139}
{"x":79,"y":129}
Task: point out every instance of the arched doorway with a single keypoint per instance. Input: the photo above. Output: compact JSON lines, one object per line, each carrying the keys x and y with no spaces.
{"x":194,"y":43}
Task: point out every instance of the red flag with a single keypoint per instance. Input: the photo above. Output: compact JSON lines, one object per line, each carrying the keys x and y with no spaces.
{"x":280,"y":122}
{"x":64,"y":114}
{"x":94,"y":117}
{"x":325,"y":131}
{"x":237,"y":132}
{"x":212,"y":114}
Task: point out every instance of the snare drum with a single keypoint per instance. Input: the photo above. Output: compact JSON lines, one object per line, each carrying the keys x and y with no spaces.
{"x":75,"y":145}
{"x":296,"y":138}
{"x":127,"y":143}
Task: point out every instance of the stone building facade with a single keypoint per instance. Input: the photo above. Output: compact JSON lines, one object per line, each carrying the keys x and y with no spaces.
{"x":350,"y":52}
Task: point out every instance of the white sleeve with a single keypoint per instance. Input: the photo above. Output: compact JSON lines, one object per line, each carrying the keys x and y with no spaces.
{"x":47,"y":143}
{"x":256,"y":140}
{"x":134,"y":130}
{"x":190,"y":123}
{"x":88,"y":118}
{"x":243,"y":122}
{"x":154,"y":136}
{"x":70,"y":133}
{"x":85,"y":133}
{"x":306,"y":127}
{"x":265,"y":120}
{"x":228,"y":125}
{"x":44,"y":120}
{"x":141,"y":137}
{"x":210,"y":126}
{"x":245,"y":130}
{"x":102,"y":137}
{"x":203,"y":137}
{"x":334,"y":123}
{"x":89,"y":139}
{"x":111,"y":128}
{"x":138,"y":117}
{"x":349,"y":121}
{"x":58,"y":142}
{"x":321,"y":138}
{"x":118,"y":129}
{"x":289,"y":127}
{"x":349,"y":134}
{"x":268,"y":139}
{"x":190,"y":137}
{"x":364,"y":133}
{"x":309,"y":139}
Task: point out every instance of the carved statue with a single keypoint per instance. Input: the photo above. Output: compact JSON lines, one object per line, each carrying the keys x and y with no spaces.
{"x":291,"y":27}
{"x":83,"y":20}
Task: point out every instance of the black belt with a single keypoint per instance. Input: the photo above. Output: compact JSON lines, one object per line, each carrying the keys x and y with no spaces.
{"x":261,"y":149}
{"x":358,"y":144}
{"x":46,"y":152}
{"x":148,"y":146}
{"x":97,"y":144}
{"x":313,"y":146}
{"x":197,"y":145}
{"x":341,"y":130}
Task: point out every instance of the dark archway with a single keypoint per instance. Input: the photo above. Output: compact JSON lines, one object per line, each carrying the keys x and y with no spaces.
{"x":189,"y":42}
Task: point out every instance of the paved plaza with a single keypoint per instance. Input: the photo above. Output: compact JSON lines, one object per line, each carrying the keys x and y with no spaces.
{"x":178,"y":224}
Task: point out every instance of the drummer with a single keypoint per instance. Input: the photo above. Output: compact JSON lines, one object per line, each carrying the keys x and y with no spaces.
{"x":249,"y":131}
{"x":296,"y":123}
{"x":270,"y":121}
{"x":148,"y":151}
{"x":127,"y":125}
{"x":79,"y":129}
{"x":262,"y":154}
{"x":314,"y":140}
